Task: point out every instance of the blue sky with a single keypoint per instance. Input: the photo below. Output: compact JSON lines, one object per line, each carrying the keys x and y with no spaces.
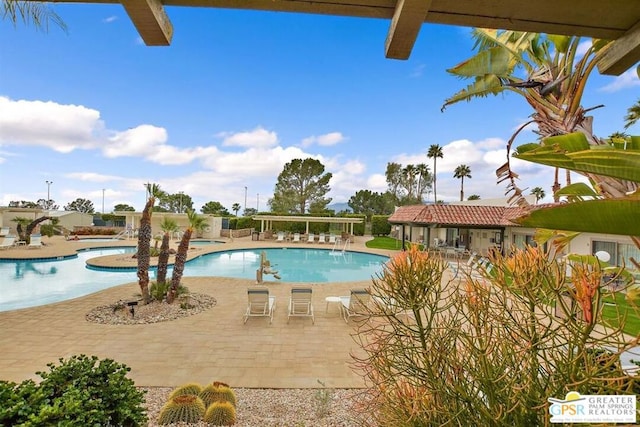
{"x":239,"y":94}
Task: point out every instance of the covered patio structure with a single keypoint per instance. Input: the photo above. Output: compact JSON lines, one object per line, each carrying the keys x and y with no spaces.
{"x":266,"y":221}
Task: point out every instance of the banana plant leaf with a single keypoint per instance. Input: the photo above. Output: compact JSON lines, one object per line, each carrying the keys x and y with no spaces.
{"x":495,"y":61}
{"x":570,"y":142}
{"x":577,"y":191}
{"x":483,"y":86}
{"x":608,"y":216}
{"x":606,"y":161}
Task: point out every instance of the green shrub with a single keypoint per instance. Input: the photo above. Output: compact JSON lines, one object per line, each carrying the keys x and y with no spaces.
{"x":187,"y":408}
{"x":380,"y":225}
{"x":185,"y":389}
{"x":221,"y":414}
{"x":80,"y":391}
{"x":158,"y":291}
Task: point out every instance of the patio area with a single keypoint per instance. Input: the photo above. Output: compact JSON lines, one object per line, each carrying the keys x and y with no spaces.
{"x":212,"y":345}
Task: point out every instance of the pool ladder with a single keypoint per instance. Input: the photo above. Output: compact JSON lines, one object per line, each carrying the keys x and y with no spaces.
{"x":345,"y":247}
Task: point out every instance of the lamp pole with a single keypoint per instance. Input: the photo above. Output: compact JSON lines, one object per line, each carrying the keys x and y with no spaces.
{"x":245,"y":198}
{"x":181,"y":193}
{"x":48,"y":193}
{"x":258,"y":203}
{"x":103,"y":200}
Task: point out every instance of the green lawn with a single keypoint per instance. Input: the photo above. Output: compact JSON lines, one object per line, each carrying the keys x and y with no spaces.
{"x":384,"y":243}
{"x":610,"y":313}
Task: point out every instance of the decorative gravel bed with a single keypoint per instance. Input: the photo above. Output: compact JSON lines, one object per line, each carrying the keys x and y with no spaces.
{"x":279,"y":407}
{"x":119,"y":313}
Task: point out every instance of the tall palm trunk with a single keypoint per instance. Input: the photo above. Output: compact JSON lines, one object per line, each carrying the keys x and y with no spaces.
{"x":178,"y":265}
{"x":462,"y":189}
{"x":144,"y":249}
{"x":163,"y":259}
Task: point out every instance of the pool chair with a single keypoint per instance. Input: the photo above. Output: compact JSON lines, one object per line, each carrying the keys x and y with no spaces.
{"x":321,"y":238}
{"x":300,"y":303}
{"x":4,"y":231}
{"x":36,"y":241}
{"x":311,"y":238}
{"x":7,"y":242}
{"x":355,"y":304}
{"x":296,"y":238}
{"x":280,"y":237}
{"x":260,"y":304}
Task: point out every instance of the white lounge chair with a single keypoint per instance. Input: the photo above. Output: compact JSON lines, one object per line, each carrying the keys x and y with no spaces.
{"x":35,"y":242}
{"x":300,"y":303}
{"x":4,"y":231}
{"x":311,"y":238}
{"x":260,"y":304}
{"x":280,"y":237}
{"x":7,"y":242}
{"x":296,"y":238}
{"x":321,"y":238}
{"x":332,"y":239}
{"x":355,"y":304}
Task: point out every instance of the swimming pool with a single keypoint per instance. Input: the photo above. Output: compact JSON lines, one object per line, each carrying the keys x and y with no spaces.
{"x":33,"y":283}
{"x":27,"y":283}
{"x":293,"y":264}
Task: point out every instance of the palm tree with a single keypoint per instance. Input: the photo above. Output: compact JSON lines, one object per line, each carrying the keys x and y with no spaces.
{"x":144,"y":241}
{"x":168,"y":226}
{"x":196,"y":222}
{"x":556,"y":74}
{"x":538,"y":192}
{"x":25,"y":226}
{"x":235,"y":208}
{"x":633,"y":115}
{"x":37,"y":13}
{"x":435,"y":152}
{"x":462,"y":172}
{"x":424,"y":181}
{"x":410,"y":173}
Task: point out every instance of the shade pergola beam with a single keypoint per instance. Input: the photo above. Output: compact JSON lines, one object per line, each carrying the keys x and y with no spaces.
{"x":407,"y":20}
{"x":622,"y":54}
{"x":151,"y":21}
{"x":616,"y":20}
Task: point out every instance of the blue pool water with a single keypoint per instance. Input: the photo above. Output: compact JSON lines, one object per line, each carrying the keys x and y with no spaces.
{"x":32,"y":283}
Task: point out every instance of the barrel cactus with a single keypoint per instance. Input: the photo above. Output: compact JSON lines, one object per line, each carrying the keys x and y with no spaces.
{"x":221,"y":414}
{"x":189,"y":388}
{"x":217,"y":392}
{"x":187,"y":408}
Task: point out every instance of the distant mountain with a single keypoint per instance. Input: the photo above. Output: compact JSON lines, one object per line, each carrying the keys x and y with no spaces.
{"x":339,"y":207}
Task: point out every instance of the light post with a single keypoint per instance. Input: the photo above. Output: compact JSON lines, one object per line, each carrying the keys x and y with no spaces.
{"x":258,"y":203}
{"x":245,"y":199}
{"x":181,"y":193}
{"x":48,"y":193}
{"x":103,"y":201}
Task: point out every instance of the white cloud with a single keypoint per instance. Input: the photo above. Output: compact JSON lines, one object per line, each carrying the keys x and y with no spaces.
{"x":257,"y":138}
{"x":626,"y":80}
{"x":325,"y":140}
{"x":92,"y":177}
{"x":583,"y":47}
{"x":63,"y":128}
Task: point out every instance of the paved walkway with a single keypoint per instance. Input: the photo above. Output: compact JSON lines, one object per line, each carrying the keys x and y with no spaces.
{"x":213,"y":345}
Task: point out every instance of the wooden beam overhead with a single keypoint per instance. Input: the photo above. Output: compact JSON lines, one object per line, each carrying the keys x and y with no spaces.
{"x":150,"y":20}
{"x":407,"y":20}
{"x":622,"y":54}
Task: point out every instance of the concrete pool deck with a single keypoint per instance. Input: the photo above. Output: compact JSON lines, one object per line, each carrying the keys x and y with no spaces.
{"x":212,"y":345}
